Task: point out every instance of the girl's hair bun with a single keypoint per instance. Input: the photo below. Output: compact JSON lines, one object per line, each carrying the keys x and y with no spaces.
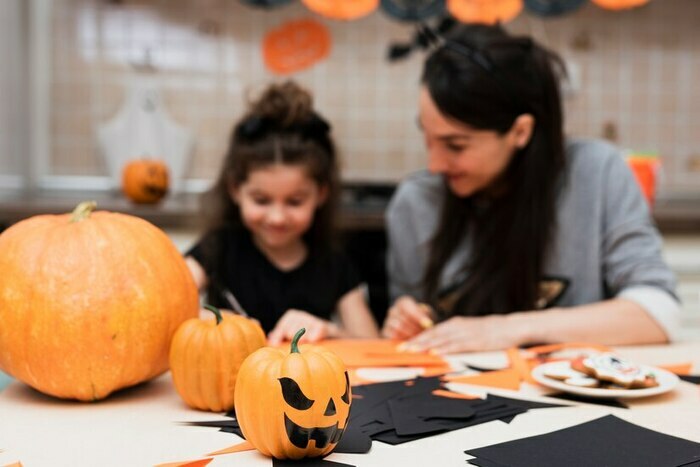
{"x":286,"y":104}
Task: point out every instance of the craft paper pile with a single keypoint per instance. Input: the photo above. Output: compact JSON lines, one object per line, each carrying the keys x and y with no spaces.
{"x":608,"y":441}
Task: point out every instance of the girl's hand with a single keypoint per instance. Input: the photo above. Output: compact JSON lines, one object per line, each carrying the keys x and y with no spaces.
{"x":293,"y":320}
{"x":407,"y":318}
{"x":467,"y":334}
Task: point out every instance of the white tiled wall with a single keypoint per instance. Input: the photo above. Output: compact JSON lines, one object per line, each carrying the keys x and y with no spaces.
{"x":637,"y":71}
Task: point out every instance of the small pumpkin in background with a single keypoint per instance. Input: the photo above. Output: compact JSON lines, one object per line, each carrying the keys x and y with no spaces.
{"x":205,"y":357}
{"x":293,"y":405}
{"x":89,"y":301}
{"x":145,"y":180}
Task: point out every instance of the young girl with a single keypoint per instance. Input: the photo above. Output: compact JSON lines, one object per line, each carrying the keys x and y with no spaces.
{"x":268,"y":249}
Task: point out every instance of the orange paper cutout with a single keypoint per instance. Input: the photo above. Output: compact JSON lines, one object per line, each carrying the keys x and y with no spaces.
{"x":484,"y":11}
{"x":453,"y":395}
{"x":357,"y":353}
{"x":521,"y":367}
{"x":645,"y":170}
{"x":619,"y":4}
{"x":296,"y":45}
{"x":503,"y":379}
{"x":679,"y":368}
{"x":14,"y":464}
{"x":342,"y":9}
{"x":195,"y":463}
{"x":240,"y":447}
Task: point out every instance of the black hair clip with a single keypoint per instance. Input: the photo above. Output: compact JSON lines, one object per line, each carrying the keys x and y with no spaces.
{"x":252,"y":127}
{"x":255,"y":127}
{"x":315,"y":128}
{"x":424,"y":38}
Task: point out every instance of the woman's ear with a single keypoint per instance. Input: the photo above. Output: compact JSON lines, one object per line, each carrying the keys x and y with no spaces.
{"x":522,"y":129}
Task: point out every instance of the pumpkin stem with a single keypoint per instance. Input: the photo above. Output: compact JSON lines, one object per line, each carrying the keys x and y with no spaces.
{"x":216,"y":312}
{"x":295,"y":340}
{"x":83,"y":211}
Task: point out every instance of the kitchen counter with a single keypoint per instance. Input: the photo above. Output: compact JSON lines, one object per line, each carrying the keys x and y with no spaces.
{"x":362,"y":208}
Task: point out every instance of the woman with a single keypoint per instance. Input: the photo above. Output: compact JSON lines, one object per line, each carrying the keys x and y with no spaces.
{"x":514,"y":235}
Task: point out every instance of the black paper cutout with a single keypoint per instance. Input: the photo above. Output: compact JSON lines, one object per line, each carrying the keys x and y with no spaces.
{"x":608,"y":441}
{"x":588,"y":400}
{"x":695,"y":379}
{"x":308,"y":462}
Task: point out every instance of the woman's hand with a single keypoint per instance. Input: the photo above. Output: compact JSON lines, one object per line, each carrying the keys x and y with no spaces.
{"x":407,"y":318}
{"x":467,"y":334}
{"x":293,"y":320}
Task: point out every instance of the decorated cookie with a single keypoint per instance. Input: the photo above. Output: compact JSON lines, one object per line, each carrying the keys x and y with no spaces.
{"x":582,"y":381}
{"x":563,"y":373}
{"x":609,"y":367}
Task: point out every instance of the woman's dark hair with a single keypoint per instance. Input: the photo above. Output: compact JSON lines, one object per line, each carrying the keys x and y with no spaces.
{"x":281,"y":126}
{"x":484,"y":78}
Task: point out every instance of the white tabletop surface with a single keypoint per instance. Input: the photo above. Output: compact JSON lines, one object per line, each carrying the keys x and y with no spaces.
{"x":139,"y":426}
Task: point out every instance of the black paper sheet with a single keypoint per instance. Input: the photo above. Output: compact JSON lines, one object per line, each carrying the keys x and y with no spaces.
{"x":397,"y":412}
{"x":608,"y":441}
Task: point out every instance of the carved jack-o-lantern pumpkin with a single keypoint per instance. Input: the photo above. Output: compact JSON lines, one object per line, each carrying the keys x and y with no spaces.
{"x":293,"y":405}
{"x":145,"y":180}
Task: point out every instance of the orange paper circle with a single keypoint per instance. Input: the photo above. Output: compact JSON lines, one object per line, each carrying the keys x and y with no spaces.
{"x":619,"y":4}
{"x":296,"y":45}
{"x":342,"y":9}
{"x":484,"y":11}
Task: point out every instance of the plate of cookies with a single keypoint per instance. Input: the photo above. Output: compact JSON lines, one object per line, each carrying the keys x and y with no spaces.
{"x":605,"y":375}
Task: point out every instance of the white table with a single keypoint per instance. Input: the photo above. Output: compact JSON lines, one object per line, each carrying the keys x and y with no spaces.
{"x":138,"y":427}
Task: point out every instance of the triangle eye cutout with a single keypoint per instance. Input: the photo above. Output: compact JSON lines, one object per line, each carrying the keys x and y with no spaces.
{"x":330,"y":409}
{"x":346,"y":397}
{"x":293,"y":395}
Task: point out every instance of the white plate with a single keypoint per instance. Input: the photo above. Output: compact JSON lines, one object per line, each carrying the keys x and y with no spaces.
{"x":667,"y":381}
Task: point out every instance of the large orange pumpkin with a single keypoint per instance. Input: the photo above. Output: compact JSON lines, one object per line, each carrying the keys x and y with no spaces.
{"x":89,"y":302}
{"x":294,"y":405}
{"x":205,"y":357}
{"x":145,"y":180}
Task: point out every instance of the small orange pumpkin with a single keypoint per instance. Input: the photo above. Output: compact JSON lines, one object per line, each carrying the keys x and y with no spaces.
{"x":295,"y":405}
{"x":145,"y":180}
{"x":296,"y":45}
{"x":205,"y":357}
{"x":89,"y":302}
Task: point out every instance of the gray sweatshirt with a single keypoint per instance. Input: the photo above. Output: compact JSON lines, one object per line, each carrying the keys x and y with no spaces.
{"x":606,"y":244}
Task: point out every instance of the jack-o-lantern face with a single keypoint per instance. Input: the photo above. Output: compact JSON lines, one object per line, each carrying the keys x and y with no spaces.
{"x":293,"y":405}
{"x":335,"y":415}
{"x":145,"y":181}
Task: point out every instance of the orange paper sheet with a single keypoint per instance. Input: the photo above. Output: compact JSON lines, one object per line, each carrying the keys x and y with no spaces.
{"x":378,"y":353}
{"x":240,"y":447}
{"x":679,"y":368}
{"x":194,"y":463}
{"x":502,"y":379}
{"x":453,"y":395}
